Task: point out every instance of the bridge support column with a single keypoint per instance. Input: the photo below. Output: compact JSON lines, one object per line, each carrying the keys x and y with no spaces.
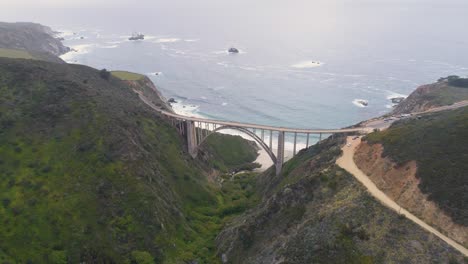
{"x":191,"y":138}
{"x":280,"y":153}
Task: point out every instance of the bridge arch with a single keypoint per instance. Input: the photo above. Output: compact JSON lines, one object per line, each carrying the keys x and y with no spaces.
{"x":249,"y":133}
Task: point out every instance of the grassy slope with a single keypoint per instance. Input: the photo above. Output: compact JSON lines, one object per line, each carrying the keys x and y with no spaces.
{"x":232,"y":153}
{"x":12,"y":53}
{"x":127,"y":76}
{"x":317,"y":213}
{"x":89,"y":173}
{"x":438,"y":143}
{"x":443,"y":92}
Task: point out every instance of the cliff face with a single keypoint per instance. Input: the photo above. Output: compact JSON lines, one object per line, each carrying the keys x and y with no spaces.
{"x":147,"y":90}
{"x":34,"y":38}
{"x":431,"y":95}
{"x":400,"y":183}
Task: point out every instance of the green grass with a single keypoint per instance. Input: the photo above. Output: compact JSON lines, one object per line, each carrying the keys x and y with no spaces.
{"x":127,"y":76}
{"x":438,"y":143}
{"x":90,"y":174}
{"x":229,"y":153}
{"x":16,"y":54}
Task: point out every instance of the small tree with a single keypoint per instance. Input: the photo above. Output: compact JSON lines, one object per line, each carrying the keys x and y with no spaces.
{"x":105,"y":74}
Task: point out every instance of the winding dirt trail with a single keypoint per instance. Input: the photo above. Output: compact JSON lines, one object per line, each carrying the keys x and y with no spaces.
{"x":346,"y":162}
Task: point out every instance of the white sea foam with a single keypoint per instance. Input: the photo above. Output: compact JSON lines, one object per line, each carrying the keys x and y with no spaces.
{"x":165,"y":40}
{"x":76,"y":51}
{"x":186,"y":110}
{"x":248,"y":68}
{"x":307,"y":64}
{"x":224,"y":104}
{"x":358,"y":102}
{"x":391,"y":94}
{"x":154,"y":73}
{"x":191,"y":40}
{"x":224,"y":64}
{"x":226,"y":52}
{"x":108,"y":46}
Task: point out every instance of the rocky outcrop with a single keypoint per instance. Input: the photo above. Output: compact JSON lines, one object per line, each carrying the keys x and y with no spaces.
{"x":150,"y":93}
{"x":430,"y":96}
{"x":400,"y":183}
{"x":397,"y":100}
{"x":31,"y":37}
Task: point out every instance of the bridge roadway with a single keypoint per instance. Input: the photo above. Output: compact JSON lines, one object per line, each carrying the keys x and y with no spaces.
{"x":264,"y":127}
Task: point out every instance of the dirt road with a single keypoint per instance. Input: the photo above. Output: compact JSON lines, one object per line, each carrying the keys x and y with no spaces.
{"x":347,"y":162}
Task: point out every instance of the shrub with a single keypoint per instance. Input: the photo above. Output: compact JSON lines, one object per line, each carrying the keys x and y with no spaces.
{"x":105,"y":74}
{"x":142,"y":257}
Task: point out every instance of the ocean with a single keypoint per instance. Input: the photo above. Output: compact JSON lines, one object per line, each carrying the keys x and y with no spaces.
{"x":303,"y":64}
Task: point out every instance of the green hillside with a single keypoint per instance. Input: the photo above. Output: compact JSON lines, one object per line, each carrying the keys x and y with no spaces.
{"x":315,"y":212}
{"x":439,"y":144}
{"x":127,"y":76}
{"x":90,"y":174}
{"x":12,"y":53}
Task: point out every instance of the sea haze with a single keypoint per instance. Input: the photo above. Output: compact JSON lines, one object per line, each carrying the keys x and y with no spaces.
{"x":300,"y":64}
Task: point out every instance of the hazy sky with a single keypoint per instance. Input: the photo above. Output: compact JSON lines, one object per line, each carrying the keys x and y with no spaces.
{"x":141,"y":3}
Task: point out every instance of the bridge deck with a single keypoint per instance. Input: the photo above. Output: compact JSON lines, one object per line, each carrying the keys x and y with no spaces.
{"x":265,"y":127}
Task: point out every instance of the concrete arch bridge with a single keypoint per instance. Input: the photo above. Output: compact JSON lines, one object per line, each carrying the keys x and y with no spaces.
{"x":196,"y":130}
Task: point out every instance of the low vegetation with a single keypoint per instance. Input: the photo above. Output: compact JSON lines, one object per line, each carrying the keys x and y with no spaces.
{"x":456,"y":81}
{"x":438,"y":143}
{"x":127,"y":76}
{"x":446,"y":91}
{"x":315,"y":212}
{"x":12,"y":53}
{"x":91,"y":174}
{"x":232,"y":153}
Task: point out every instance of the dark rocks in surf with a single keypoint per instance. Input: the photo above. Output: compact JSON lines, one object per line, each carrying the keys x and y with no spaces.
{"x":397,"y":100}
{"x":233,"y":50}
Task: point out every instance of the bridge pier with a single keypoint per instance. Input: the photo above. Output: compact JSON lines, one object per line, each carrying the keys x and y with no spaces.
{"x":280,"y":153}
{"x":191,"y":138}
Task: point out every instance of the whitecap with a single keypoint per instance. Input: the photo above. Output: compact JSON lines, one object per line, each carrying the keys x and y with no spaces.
{"x":165,"y":40}
{"x":109,"y":46}
{"x":248,"y":68}
{"x":191,"y":40}
{"x":307,"y":64}
{"x":154,"y":73}
{"x":224,"y":64}
{"x":224,"y":104}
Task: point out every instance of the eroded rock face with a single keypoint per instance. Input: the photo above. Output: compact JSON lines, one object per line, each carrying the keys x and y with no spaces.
{"x":401,"y":185}
{"x":317,"y":213}
{"x":30,"y":37}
